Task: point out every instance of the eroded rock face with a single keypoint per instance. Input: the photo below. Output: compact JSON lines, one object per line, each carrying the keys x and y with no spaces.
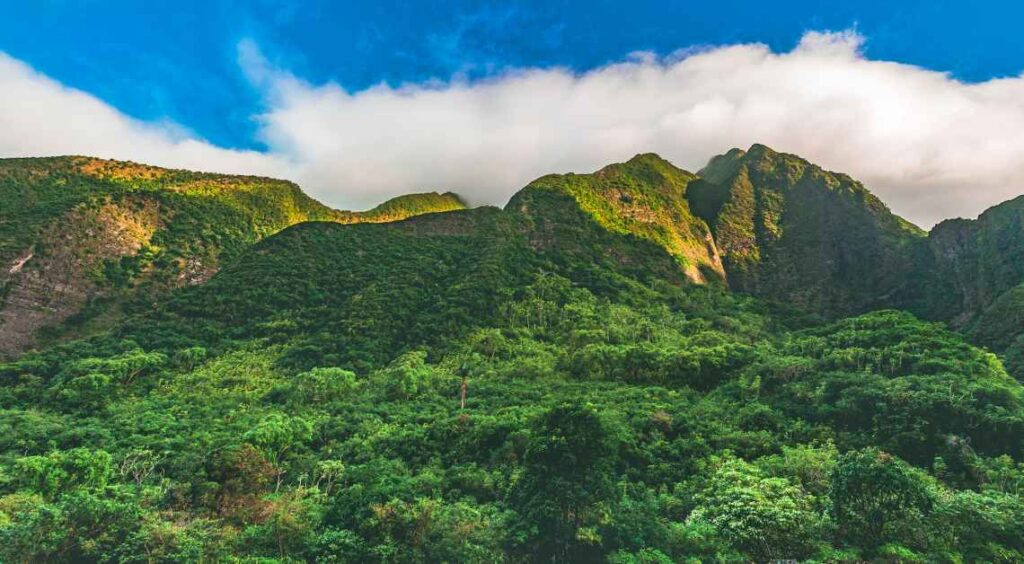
{"x":60,"y":274}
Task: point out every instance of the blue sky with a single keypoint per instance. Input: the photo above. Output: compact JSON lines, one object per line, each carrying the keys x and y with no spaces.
{"x":361,"y":101}
{"x":178,"y":60}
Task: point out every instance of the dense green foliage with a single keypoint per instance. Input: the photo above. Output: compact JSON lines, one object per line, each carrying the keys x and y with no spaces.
{"x":236,"y":209}
{"x":403,"y":207}
{"x":539,"y":383}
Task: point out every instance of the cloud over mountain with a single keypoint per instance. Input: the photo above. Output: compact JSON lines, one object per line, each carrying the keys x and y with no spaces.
{"x":39,"y":117}
{"x":929,"y":145}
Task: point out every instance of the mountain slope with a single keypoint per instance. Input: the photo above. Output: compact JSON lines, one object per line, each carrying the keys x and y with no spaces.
{"x":424,"y":281}
{"x":980,"y":258}
{"x":644,"y":197}
{"x":85,"y":238}
{"x":790,"y":231}
{"x":973,"y":275}
{"x":402,"y":207}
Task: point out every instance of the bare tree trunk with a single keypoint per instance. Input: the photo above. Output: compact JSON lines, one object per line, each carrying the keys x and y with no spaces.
{"x":463,"y":390}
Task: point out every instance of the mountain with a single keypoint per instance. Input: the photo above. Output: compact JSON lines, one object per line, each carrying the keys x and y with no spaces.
{"x":402,"y":207}
{"x":981,"y":258}
{"x":793,"y":233}
{"x":421,"y":282}
{"x":575,"y":377}
{"x":82,"y":239}
{"x":790,"y":231}
{"x":645,"y":197}
{"x":974,"y":270}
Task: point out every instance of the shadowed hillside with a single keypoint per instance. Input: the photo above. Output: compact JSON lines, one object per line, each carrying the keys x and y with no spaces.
{"x":791,"y":231}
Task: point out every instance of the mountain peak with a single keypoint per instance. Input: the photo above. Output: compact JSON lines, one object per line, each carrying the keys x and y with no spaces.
{"x":723,"y":166}
{"x":645,"y":197}
{"x":405,"y":206}
{"x":649,"y":158}
{"x":649,"y":166}
{"x":758,"y":149}
{"x":788,"y":229}
{"x":720,"y":167}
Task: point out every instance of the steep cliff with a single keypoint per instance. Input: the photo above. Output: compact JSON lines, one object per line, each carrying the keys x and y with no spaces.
{"x":790,"y":231}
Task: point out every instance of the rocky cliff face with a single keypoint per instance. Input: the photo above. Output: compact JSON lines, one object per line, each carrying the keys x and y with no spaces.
{"x":973,"y":279}
{"x":790,"y":231}
{"x":983,"y":258}
{"x":64,"y":268}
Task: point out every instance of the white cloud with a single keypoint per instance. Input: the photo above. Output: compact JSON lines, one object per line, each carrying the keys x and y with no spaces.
{"x":41,"y":117}
{"x":930,"y":146}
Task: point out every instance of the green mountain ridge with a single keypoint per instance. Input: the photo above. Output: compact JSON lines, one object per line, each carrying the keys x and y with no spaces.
{"x":645,"y":197}
{"x":615,"y":367}
{"x":84,"y":238}
{"x":977,"y":273}
{"x":403,"y":207}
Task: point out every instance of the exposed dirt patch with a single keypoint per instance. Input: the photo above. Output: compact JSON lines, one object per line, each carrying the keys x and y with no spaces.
{"x":195,"y":270}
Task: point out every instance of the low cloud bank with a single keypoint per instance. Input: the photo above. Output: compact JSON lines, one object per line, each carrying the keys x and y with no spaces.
{"x":930,"y":146}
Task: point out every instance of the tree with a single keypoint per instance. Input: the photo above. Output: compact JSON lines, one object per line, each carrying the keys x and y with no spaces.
{"x":406,"y":376}
{"x":278,"y":433}
{"x":980,"y":526}
{"x":243,"y":474}
{"x":289,"y":523}
{"x":324,"y":385}
{"x":80,"y":526}
{"x":876,"y":498}
{"x":568,"y":478}
{"x":63,"y":470}
{"x":766,"y":517}
{"x":190,"y":358}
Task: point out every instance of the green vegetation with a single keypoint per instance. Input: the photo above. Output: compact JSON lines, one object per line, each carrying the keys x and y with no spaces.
{"x":83,"y":240}
{"x":645,"y":197}
{"x":976,"y":270}
{"x":38,"y":191}
{"x":403,"y":207}
{"x":790,"y":231}
{"x":544,"y":383}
